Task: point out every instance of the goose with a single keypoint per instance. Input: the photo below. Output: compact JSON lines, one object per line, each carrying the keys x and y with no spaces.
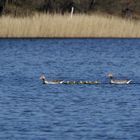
{"x":81,"y":82}
{"x":95,"y":82}
{"x":114,"y":81}
{"x":45,"y":81}
{"x":89,"y":82}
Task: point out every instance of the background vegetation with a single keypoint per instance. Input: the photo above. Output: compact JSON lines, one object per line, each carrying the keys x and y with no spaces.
{"x":57,"y":25}
{"x":123,"y":8}
{"x":51,"y":18}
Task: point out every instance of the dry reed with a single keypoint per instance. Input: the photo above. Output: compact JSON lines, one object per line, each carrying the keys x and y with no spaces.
{"x":46,"y":25}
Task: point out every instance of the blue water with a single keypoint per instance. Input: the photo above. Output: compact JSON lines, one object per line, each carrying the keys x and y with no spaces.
{"x":30,"y":110}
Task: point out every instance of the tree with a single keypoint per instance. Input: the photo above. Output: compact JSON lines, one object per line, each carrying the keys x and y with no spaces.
{"x":67,"y":6}
{"x":91,"y":4}
{"x":2,"y":5}
{"x":49,"y":6}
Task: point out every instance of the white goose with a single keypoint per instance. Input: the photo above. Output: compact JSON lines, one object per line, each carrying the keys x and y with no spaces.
{"x":114,"y":81}
{"x":45,"y":81}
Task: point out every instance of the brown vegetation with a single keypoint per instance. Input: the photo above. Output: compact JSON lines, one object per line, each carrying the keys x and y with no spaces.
{"x":81,"y":25}
{"x":50,"y":18}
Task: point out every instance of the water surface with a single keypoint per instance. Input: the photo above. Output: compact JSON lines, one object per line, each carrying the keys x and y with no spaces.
{"x":31,"y":110}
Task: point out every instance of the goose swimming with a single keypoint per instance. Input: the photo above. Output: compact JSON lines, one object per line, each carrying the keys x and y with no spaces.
{"x":114,"y":81}
{"x":45,"y":81}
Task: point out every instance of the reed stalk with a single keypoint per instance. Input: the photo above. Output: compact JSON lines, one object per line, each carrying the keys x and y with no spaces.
{"x":80,"y":25}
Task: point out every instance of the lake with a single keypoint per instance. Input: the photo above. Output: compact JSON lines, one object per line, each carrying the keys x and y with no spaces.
{"x":31,"y":110}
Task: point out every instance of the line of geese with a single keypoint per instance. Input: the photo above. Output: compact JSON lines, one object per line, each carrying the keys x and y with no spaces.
{"x":110,"y":75}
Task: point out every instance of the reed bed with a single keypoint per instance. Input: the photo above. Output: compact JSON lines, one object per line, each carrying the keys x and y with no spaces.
{"x":47,"y":25}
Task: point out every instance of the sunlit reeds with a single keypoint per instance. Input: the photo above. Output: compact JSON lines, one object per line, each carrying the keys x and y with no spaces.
{"x":81,"y":25}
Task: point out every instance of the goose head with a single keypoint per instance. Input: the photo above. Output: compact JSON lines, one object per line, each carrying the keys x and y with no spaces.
{"x":110,"y":75}
{"x":43,"y":78}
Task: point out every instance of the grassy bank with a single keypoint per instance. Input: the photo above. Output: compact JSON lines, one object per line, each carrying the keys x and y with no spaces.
{"x":63,"y":26}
